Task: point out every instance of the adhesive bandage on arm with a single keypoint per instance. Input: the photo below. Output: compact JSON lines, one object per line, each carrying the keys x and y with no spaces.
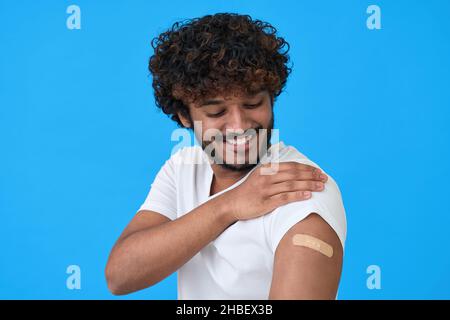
{"x":304,"y":240}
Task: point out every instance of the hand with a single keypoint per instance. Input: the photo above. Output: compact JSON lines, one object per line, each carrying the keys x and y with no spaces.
{"x":259,"y":194}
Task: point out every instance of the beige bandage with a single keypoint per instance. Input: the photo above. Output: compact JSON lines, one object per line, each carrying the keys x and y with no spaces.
{"x":305,"y":240}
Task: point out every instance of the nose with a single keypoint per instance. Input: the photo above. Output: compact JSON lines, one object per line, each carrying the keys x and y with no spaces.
{"x":237,"y":120}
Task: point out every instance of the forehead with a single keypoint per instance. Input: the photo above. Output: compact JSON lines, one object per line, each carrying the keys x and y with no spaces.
{"x":228,"y":97}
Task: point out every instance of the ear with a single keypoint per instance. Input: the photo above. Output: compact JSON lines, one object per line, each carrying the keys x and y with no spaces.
{"x":185,"y":121}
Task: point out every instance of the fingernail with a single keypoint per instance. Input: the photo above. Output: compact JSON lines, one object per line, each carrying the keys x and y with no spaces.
{"x":319,"y":185}
{"x":307,"y":193}
{"x":323,"y":177}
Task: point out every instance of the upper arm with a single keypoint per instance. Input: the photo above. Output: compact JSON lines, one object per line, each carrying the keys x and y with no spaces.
{"x":162,"y":195}
{"x":303,"y":273}
{"x":159,"y":205}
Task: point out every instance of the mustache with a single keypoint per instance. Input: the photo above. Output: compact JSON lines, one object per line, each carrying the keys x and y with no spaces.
{"x":230,"y":134}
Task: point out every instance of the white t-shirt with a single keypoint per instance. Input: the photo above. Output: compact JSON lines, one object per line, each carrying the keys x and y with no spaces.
{"x":238,"y":264}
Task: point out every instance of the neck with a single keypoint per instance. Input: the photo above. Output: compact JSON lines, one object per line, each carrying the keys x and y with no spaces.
{"x":224,"y":177}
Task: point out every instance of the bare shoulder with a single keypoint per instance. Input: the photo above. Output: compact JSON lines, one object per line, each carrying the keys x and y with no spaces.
{"x":302,"y":270}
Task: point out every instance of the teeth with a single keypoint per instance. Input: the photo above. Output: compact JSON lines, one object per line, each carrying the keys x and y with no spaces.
{"x":239,"y":140}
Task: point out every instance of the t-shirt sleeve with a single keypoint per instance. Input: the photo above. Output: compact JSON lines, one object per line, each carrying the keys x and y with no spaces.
{"x":327,"y":204}
{"x":162,"y":197}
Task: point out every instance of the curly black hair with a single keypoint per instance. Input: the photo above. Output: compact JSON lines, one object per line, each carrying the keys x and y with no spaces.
{"x":225,"y":52}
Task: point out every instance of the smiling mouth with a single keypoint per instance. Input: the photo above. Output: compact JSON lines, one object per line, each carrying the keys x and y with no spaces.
{"x":238,"y":141}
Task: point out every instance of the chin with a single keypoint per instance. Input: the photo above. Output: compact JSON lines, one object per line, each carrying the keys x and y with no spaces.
{"x":238,"y":167}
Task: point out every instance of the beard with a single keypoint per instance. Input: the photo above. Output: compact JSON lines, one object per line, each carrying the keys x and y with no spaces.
{"x":247,"y":165}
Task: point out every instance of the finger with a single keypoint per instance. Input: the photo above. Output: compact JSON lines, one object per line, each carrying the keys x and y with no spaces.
{"x":297,"y":175}
{"x":294,"y":185}
{"x":288,"y":197}
{"x":308,"y":168}
{"x":295,"y":165}
{"x":297,"y":169}
{"x":289,"y":165}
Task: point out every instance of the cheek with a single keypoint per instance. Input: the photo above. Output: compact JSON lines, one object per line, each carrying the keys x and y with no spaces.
{"x":201,"y":122}
{"x":263,"y":115}
{"x":209,"y":128}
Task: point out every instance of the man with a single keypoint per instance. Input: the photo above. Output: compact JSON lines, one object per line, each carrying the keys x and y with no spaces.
{"x":236,"y":217}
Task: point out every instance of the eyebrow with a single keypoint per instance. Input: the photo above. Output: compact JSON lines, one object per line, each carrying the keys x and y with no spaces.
{"x":216,"y":101}
{"x":211,"y":102}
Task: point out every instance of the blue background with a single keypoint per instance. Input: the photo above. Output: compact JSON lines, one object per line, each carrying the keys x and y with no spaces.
{"x":81,"y":138}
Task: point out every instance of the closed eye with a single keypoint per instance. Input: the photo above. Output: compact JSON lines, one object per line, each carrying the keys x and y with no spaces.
{"x":216,"y":115}
{"x":252,"y":106}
